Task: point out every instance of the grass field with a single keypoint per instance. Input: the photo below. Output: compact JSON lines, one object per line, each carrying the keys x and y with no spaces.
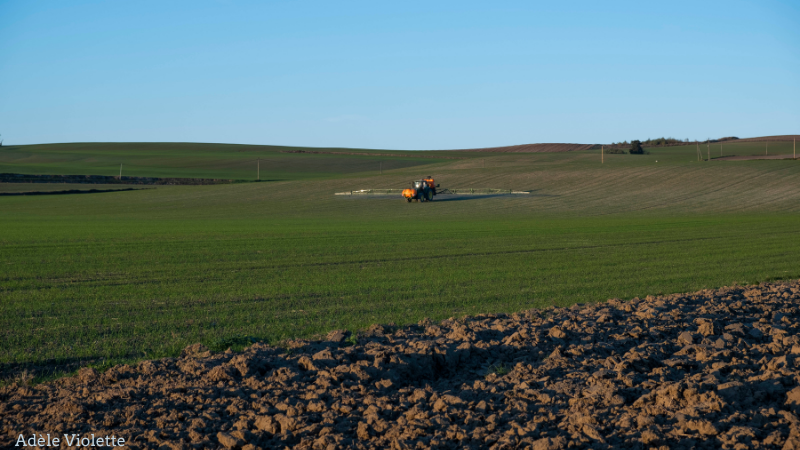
{"x":117,"y":276}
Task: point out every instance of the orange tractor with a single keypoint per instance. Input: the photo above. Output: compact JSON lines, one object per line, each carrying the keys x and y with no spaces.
{"x":422,"y":190}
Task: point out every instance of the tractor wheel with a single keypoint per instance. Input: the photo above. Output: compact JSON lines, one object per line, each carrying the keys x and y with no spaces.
{"x":429,"y":196}
{"x":408,"y":200}
{"x":421,"y":197}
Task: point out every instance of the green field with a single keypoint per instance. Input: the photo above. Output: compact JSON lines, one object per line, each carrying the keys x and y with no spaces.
{"x":118,"y":276}
{"x":185,"y":160}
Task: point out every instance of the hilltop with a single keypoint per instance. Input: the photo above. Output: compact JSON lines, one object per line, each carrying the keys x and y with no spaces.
{"x":533,"y":148}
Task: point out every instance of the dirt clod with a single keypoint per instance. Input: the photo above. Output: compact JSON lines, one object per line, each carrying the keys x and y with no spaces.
{"x":196,"y":350}
{"x":337,"y":335}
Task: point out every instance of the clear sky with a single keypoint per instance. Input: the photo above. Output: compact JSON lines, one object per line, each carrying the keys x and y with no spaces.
{"x":397,"y":75}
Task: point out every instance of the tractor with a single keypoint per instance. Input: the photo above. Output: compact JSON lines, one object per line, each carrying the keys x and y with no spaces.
{"x":421,"y":191}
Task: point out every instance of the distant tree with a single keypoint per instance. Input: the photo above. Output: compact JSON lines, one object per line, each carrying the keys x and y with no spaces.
{"x":636,"y":148}
{"x":661,"y":142}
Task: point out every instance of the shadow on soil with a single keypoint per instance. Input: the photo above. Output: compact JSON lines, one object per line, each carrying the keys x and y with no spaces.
{"x":452,"y":197}
{"x":56,"y":368}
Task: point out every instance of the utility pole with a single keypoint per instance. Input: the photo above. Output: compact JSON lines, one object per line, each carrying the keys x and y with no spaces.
{"x":602,"y":154}
{"x":698,"y":150}
{"x":794,"y":147}
{"x":708,"y":148}
{"x":120,"y":171}
{"x":381,"y":167}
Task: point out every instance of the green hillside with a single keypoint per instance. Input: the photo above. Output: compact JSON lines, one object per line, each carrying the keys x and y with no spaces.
{"x":118,"y":276}
{"x":188,"y":160}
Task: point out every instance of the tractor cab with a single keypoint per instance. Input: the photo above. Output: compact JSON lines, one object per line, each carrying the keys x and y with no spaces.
{"x":431,"y":184}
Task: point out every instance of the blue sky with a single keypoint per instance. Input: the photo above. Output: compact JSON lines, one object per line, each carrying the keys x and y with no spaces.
{"x":397,"y":75}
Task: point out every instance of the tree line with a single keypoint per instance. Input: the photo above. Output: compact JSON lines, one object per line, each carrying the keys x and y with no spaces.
{"x":662,"y":142}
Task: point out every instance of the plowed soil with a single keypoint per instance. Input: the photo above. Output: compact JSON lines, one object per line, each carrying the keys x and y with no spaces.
{"x":535,"y":148}
{"x":710,"y":369}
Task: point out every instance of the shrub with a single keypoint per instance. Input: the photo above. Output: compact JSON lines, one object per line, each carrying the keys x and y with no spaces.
{"x":636,"y":148}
